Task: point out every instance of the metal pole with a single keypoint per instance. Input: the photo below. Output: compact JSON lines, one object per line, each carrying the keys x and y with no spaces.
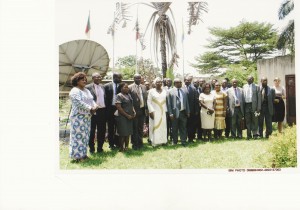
{"x":182,"y":49}
{"x":113,"y":70}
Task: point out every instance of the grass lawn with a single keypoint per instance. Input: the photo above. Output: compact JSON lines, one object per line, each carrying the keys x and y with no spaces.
{"x":221,"y":154}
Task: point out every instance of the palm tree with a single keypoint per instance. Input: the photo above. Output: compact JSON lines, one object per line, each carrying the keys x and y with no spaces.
{"x":163,"y":33}
{"x":286,"y":38}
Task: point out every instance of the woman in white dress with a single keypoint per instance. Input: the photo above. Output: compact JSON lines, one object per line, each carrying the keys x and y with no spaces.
{"x":83,"y":106}
{"x":207,"y":103}
{"x":157,"y":114}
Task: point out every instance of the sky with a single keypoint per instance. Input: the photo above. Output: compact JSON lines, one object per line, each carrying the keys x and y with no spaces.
{"x":71,"y":19}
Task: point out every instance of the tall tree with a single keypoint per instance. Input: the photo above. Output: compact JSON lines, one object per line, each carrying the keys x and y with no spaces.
{"x":164,"y":34}
{"x":287,"y":36}
{"x":248,"y":41}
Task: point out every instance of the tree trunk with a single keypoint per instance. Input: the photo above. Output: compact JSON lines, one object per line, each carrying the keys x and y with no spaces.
{"x":163,"y":44}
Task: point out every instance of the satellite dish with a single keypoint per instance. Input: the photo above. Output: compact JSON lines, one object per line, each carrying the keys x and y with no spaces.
{"x":81,"y":56}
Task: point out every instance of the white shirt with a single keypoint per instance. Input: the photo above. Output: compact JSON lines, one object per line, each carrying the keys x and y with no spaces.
{"x":181,"y":100}
{"x":248,"y":93}
{"x":142,"y":104}
{"x":100,"y":96}
{"x":236,"y":96}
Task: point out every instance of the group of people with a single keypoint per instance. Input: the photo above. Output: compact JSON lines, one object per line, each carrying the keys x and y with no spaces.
{"x":191,"y":111}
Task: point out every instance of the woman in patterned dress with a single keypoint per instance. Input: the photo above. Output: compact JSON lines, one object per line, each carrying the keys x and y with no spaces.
{"x":157,"y":114}
{"x":220,"y":111}
{"x":207,"y":114}
{"x":83,"y":106}
{"x":279,"y":106}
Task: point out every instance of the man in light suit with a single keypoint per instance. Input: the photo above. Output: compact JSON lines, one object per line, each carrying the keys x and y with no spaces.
{"x":179,"y":111}
{"x":138,"y":93}
{"x":236,"y":108}
{"x":98,"y":119}
{"x":110,"y":93}
{"x":252,"y":97}
{"x":266,"y":113}
{"x":191,"y":92}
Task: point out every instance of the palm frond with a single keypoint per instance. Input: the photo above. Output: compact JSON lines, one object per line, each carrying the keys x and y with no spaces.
{"x":286,"y":38}
{"x":196,"y":10}
{"x":285,"y":8}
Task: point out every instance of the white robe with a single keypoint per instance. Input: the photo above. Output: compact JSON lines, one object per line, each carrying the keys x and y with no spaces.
{"x":157,"y":127}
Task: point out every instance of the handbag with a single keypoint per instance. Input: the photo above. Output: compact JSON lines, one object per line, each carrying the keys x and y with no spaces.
{"x":243,"y":124}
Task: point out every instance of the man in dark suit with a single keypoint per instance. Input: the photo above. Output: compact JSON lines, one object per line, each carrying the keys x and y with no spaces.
{"x":168,"y":87}
{"x":98,"y":119}
{"x":236,"y":109}
{"x":139,"y":96}
{"x":193,"y":100}
{"x":266,"y":112}
{"x":110,"y":93}
{"x":252,"y":97}
{"x":224,"y":89}
{"x":179,"y":111}
{"x":198,"y":87}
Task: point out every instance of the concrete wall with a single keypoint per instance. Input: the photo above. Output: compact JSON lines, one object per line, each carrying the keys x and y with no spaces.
{"x":276,"y":67}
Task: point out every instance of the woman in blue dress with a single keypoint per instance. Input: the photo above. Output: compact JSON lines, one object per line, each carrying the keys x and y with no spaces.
{"x":83,"y":106}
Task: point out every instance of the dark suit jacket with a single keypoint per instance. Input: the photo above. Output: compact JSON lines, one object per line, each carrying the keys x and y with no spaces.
{"x":271,"y":98}
{"x":91,"y":88}
{"x":109,"y":93}
{"x":231,"y":99}
{"x":133,"y":90}
{"x":192,"y":98}
{"x":173,"y":102}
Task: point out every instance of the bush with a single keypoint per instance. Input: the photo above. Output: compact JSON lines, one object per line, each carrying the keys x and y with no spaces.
{"x":283,"y":150}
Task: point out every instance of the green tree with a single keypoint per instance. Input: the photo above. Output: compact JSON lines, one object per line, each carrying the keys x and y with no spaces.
{"x":210,"y":62}
{"x":287,"y":36}
{"x":243,"y":44}
{"x":127,"y":66}
{"x":240,"y":72}
{"x":248,"y":41}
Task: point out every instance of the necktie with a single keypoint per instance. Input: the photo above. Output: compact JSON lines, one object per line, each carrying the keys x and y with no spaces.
{"x":263,"y":94}
{"x":178,"y":93}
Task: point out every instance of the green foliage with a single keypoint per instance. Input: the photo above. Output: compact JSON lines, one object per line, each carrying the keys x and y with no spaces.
{"x":127,"y":67}
{"x":209,"y":62}
{"x":247,"y":41}
{"x":243,"y":44}
{"x":284,"y":149}
{"x":286,"y":39}
{"x":240,"y":72}
{"x":170,"y":74}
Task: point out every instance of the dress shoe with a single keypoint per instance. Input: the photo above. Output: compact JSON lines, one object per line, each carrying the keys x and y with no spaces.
{"x":174,"y":143}
{"x":99,"y":150}
{"x":191,"y":141}
{"x":184,"y":144}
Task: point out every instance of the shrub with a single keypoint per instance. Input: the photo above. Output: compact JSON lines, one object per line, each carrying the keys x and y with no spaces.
{"x":284,"y":150}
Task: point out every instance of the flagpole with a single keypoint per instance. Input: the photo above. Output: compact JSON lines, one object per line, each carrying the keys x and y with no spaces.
{"x":136,"y":39}
{"x":182,"y":49}
{"x":113,"y":69}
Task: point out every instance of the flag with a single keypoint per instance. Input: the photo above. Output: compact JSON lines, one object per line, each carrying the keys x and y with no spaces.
{"x":88,"y":26}
{"x":182,"y":37}
{"x":137,"y":29}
